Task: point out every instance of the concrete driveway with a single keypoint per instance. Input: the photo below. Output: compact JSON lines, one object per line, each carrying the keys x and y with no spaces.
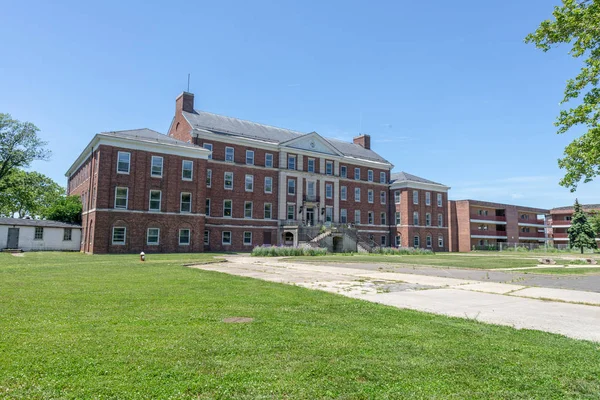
{"x":572,"y":313}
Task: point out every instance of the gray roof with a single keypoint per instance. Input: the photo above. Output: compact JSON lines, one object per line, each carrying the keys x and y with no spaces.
{"x":585,"y":207}
{"x":147,"y":135}
{"x":404,"y":176}
{"x":37,"y":222}
{"x":238,"y":127}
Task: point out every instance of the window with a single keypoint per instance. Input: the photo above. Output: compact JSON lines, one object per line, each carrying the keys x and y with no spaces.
{"x":370,"y":175}
{"x":187,"y":170}
{"x":416,"y":241}
{"x":440,"y":220}
{"x":329,"y":168}
{"x":152,"y":236}
{"x":416,"y":218}
{"x":155,"y":200}
{"x":343,"y":171}
{"x":67,"y":234}
{"x":208,"y":146}
{"x":415,"y":197}
{"x":357,"y":174}
{"x":268,"y":184}
{"x":439,"y":199}
{"x":249,"y":183}
{"x":328,"y":191}
{"x":398,"y":218}
{"x":357,"y":216}
{"x":343,"y":216}
{"x":291,"y":162}
{"x":206,"y":238}
{"x":228,"y":183}
{"x":247,"y":238}
{"x":343,"y":192}
{"x":568,"y":218}
{"x":291,"y":186}
{"x":310,"y":167}
{"x":269,"y":160}
{"x":184,"y":237}
{"x":268,"y":211}
{"x":440,"y":241}
{"x":185,"y":205}
{"x":382,"y":177}
{"x":209,"y":178}
{"x":249,"y":157}
{"x":310,"y":191}
{"x":383,"y":240}
{"x":247,"y":209}
{"x":39,"y":233}
{"x":229,"y":154}
{"x":118,"y":235}
{"x":121,"y":194}
{"x":397,"y":197}
{"x":156,"y":169}
{"x":427,"y":219}
{"x":329,"y":214}
{"x":207,"y":207}
{"x":524,"y":216}
{"x":398,"y":241}
{"x":227,"y":204}
{"x":382,"y":197}
{"x":370,"y":195}
{"x":123,"y":162}
{"x":428,"y":241}
{"x":291,"y":212}
{"x":370,"y":218}
{"x":226,"y":238}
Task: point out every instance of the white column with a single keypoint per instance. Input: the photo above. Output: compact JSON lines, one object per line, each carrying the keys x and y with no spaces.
{"x":322,"y":165}
{"x":300,"y":161}
{"x":282,"y":195}
{"x":282,"y":160}
{"x":336,"y":168}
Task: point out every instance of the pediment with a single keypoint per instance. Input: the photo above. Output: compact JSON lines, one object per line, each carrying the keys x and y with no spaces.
{"x":311,"y":142}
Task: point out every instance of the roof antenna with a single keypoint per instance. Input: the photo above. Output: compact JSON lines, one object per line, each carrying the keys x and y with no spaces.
{"x":188,"y":83}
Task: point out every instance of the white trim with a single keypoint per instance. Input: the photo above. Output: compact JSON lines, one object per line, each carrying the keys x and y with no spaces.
{"x":189,"y":236}
{"x":265,"y":189}
{"x":231,"y":226}
{"x":541,"y":226}
{"x":128,"y":162}
{"x":535,"y":238}
{"x":249,"y":151}
{"x":223,"y":238}
{"x":162,"y":165}
{"x":157,"y":237}
{"x":272,"y":160}
{"x":209,"y":173}
{"x":484,"y":221}
{"x":560,"y":226}
{"x":204,"y":144}
{"x":246,"y":183}
{"x":112,"y":239}
{"x":205,"y":236}
{"x":232,"y":155}
{"x":181,"y":202}
{"x":225,"y":180}
{"x":271,"y":212}
{"x":126,"y":198}
{"x":120,"y":210}
{"x":231,"y":208}
{"x":191,"y":178}
{"x":244,"y":238}
{"x":488,"y":237}
{"x":251,"y":209}
{"x":150,"y":200}
{"x":419,"y":185}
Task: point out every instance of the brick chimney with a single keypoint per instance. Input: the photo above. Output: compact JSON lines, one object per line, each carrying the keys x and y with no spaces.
{"x":185,"y":102}
{"x":363,"y":141}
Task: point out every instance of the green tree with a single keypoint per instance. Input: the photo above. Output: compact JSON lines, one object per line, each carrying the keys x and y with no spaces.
{"x":66,"y":209}
{"x":594,"y":219}
{"x":581,"y":234}
{"x":28,"y":194}
{"x":577,"y":23}
{"x":19,"y":146}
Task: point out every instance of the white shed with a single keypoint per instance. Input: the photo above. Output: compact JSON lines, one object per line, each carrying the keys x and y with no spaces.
{"x":38,"y":235}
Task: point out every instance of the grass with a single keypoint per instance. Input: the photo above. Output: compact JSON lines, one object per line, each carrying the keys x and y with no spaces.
{"x":76,"y":326}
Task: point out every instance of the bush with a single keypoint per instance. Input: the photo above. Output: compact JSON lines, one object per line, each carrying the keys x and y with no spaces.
{"x":391,"y":251}
{"x":287,"y":251}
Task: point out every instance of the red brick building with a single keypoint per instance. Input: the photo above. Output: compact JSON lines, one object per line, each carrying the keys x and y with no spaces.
{"x":560,"y":222}
{"x":485,"y":225}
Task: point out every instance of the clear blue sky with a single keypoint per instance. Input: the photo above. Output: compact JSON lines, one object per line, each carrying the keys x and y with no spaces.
{"x":446,"y":81}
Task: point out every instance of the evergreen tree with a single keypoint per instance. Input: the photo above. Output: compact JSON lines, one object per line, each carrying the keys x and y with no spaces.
{"x":581,"y":234}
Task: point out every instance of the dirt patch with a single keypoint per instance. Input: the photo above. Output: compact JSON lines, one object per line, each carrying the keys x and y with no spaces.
{"x":238,"y":320}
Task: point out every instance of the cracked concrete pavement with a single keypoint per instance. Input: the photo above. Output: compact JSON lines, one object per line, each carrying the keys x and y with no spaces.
{"x":573,"y":313}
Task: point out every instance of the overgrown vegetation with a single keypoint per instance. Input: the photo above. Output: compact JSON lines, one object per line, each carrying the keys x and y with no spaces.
{"x":287,"y":251}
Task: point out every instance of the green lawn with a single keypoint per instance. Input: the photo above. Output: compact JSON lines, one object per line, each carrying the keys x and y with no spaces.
{"x":76,"y":326}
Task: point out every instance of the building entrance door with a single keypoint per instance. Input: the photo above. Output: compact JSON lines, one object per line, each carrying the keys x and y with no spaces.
{"x":13,"y":238}
{"x":310,"y":216}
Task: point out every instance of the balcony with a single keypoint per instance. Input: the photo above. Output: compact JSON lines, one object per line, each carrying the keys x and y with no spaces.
{"x":289,"y":222}
{"x":311,"y":198}
{"x":489,"y":217}
{"x":561,"y":223}
{"x":532,"y":234}
{"x":532,"y":221}
{"x":487,"y":232}
{"x":560,"y":236}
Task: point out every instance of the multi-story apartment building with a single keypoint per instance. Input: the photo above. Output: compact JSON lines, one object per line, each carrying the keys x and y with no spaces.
{"x":419,"y":212}
{"x":479,"y":224}
{"x":560,"y":222}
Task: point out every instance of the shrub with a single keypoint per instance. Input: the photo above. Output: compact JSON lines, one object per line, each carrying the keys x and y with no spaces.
{"x":391,"y":251}
{"x":287,"y":251}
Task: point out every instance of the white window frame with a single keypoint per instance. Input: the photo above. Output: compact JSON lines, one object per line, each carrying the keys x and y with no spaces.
{"x":293,"y":208}
{"x":343,"y":171}
{"x":162,"y":161}
{"x":329,"y":191}
{"x":267,"y":163}
{"x":357,"y":195}
{"x":225,"y":181}
{"x":343,"y":193}
{"x":398,"y":218}
{"x":292,"y":186}
{"x":357,"y":217}
{"x":439,"y":200}
{"x":246,"y":203}
{"x":206,"y":238}
{"x":427,"y":219}
{"x":308,"y":165}
{"x":209,"y":178}
{"x":440,"y":241}
{"x":251,"y":189}
{"x":382,"y":197}
{"x":251,"y":158}
{"x":295,"y":163}
{"x":328,"y":167}
{"x":124,"y":236}
{"x":223,"y":242}
{"x":398,"y":241}
{"x":183,"y":169}
{"x":159,"y":200}
{"x":40,"y":230}
{"x":397,"y":197}
{"x":181,"y":202}
{"x":270,"y":211}
{"x":227,"y":149}
{"x":383,"y":218}
{"x":128,"y":162}
{"x":370,"y":175}
{"x":416,"y":241}
{"x":69,"y":237}
{"x":343,"y":216}
{"x":370,"y":196}
{"x":269,"y":185}
{"x":415,"y":197}
{"x":189,"y":236}
{"x":126,"y":197}
{"x":428,"y":241}
{"x":370,"y":218}
{"x":382,"y":177}
{"x":328,"y":214}
{"x":440,"y":220}
{"x":208,"y":146}
{"x":148,"y":243}
{"x":244,"y":238}
{"x":427,"y":198}
{"x":230,"y":208}
{"x":357,"y":174}
{"x":415,"y":218}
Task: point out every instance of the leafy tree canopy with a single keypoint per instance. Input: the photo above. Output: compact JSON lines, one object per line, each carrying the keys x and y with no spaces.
{"x":577,"y":23}
{"x":66,"y":209}
{"x":19,"y":146}
{"x":28,"y":194}
{"x":581,"y":234}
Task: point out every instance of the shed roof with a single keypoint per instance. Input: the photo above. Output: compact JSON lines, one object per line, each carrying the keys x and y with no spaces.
{"x":37,"y":222}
